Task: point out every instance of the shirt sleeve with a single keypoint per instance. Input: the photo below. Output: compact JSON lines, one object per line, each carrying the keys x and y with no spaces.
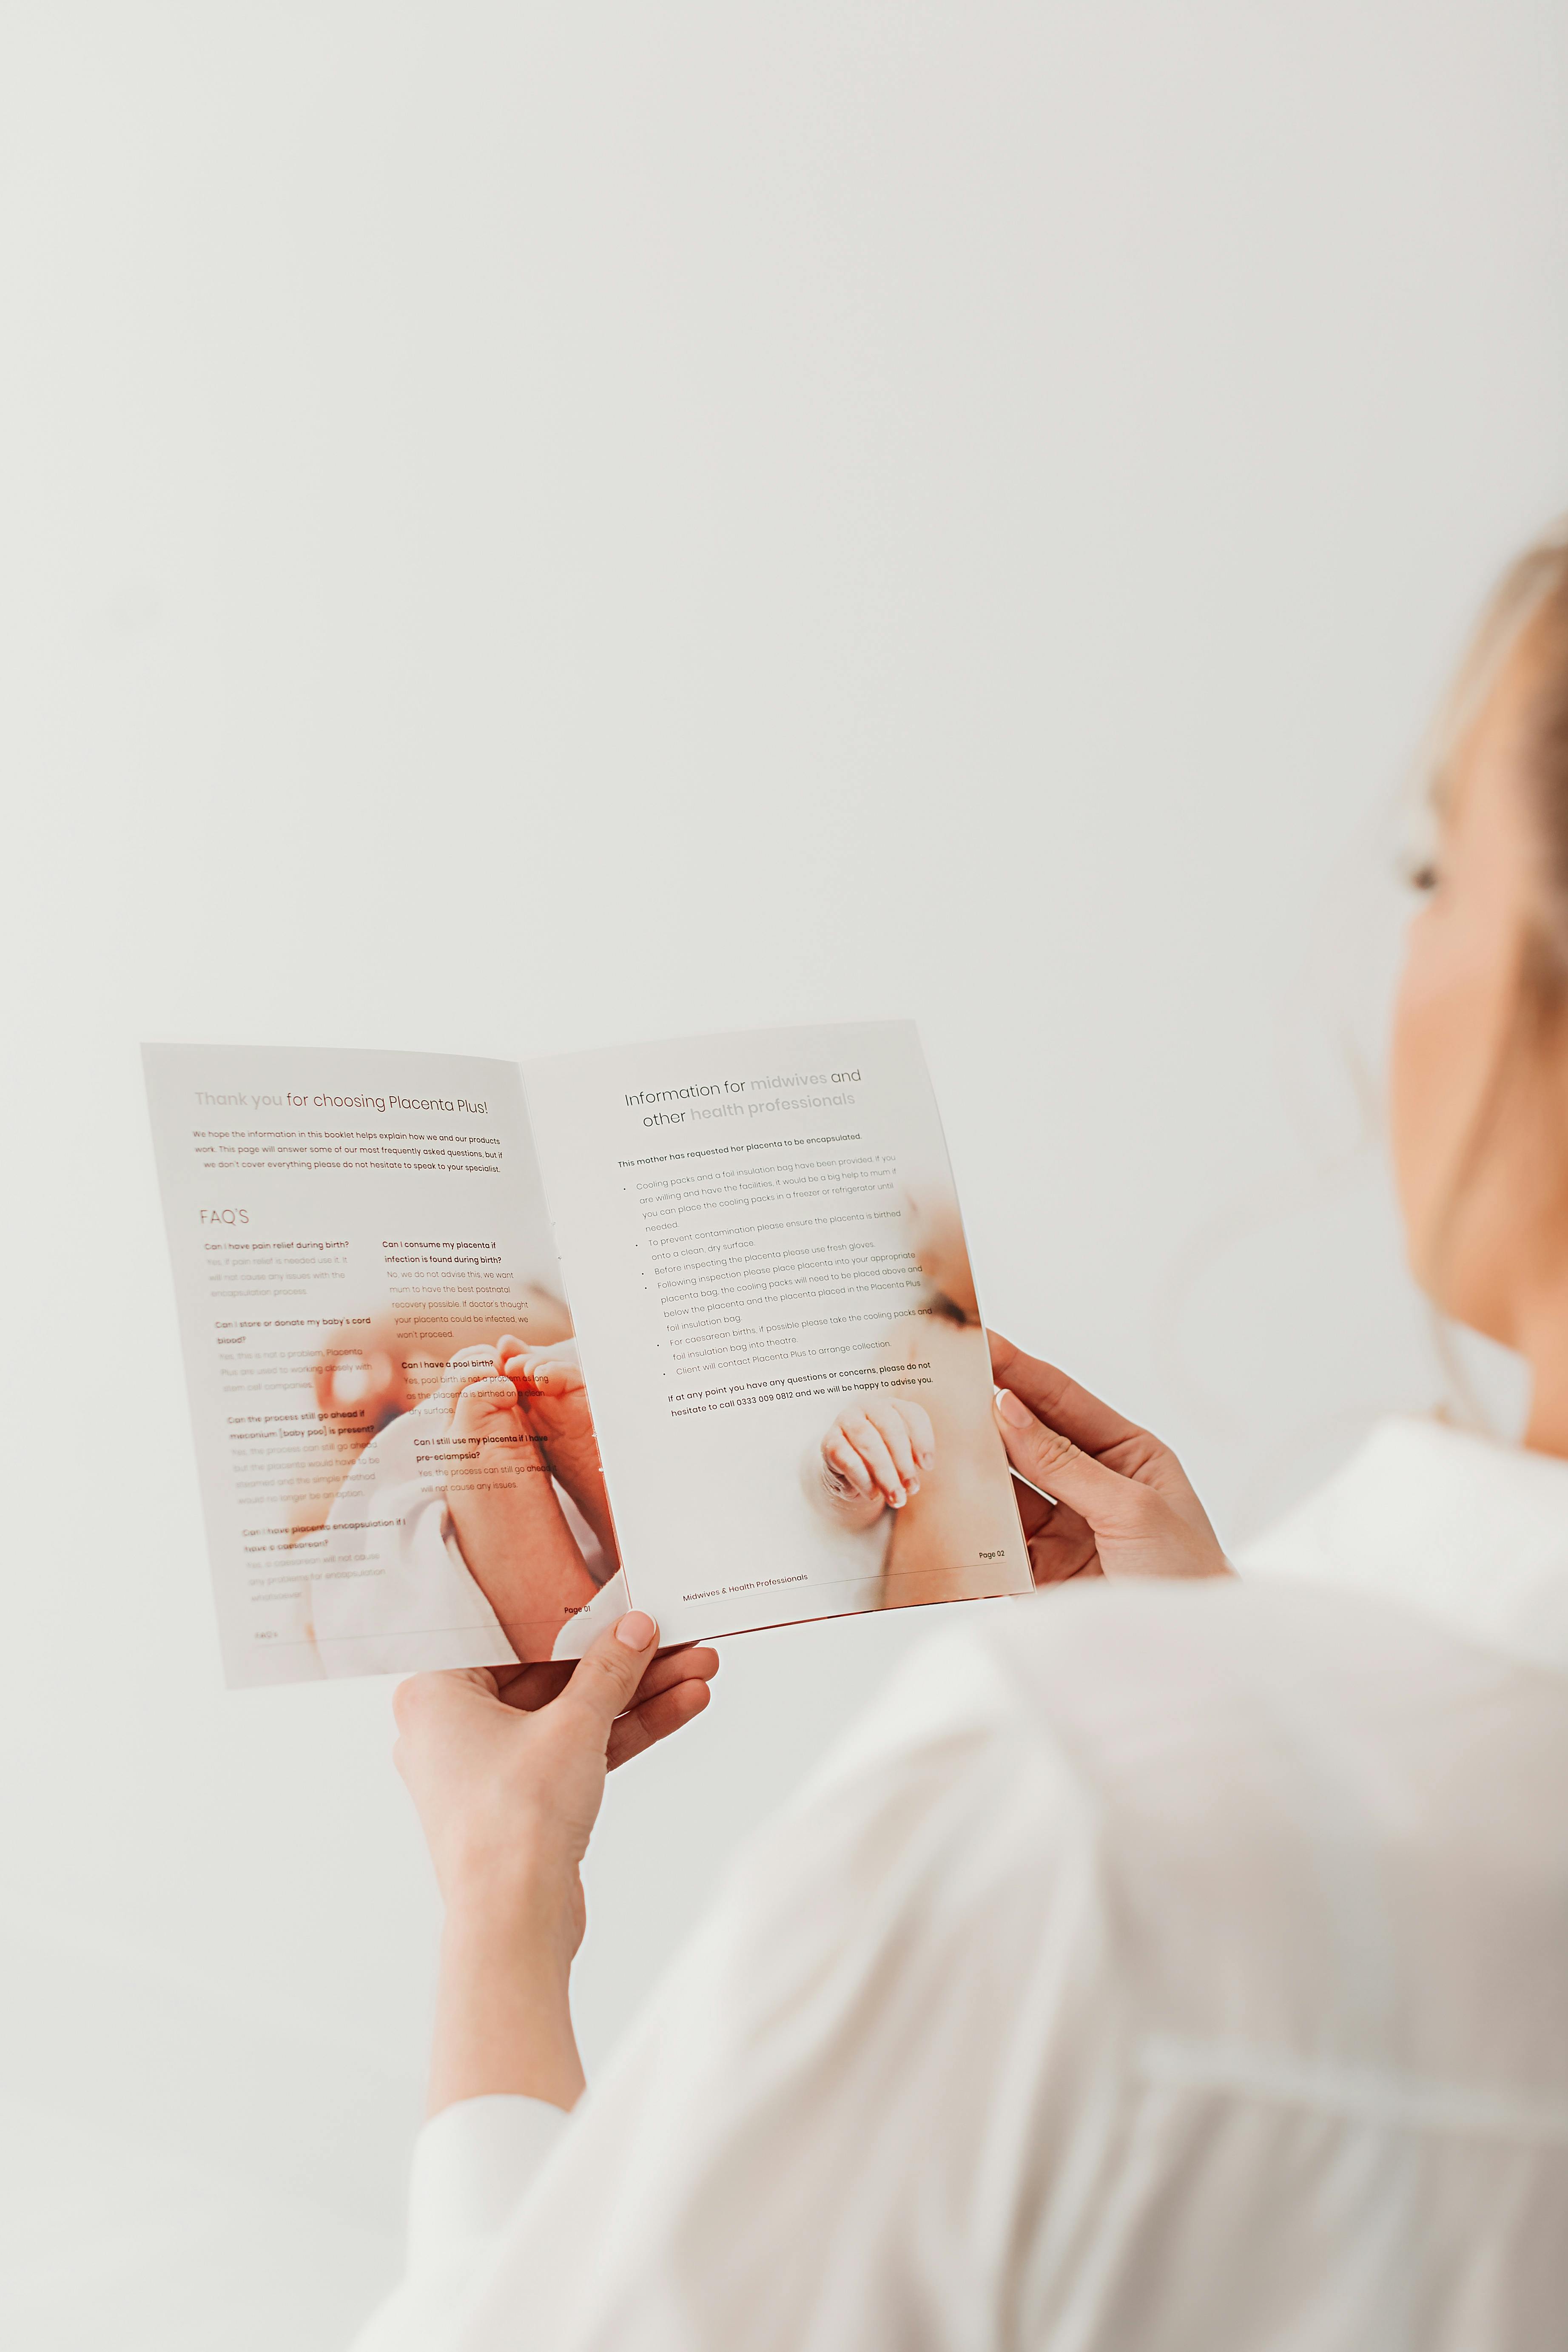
{"x":805,"y":2043}
{"x":473,"y":2165}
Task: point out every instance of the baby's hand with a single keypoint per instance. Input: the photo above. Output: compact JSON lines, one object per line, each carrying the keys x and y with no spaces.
{"x":552,"y":1370}
{"x":875,"y":1452}
{"x":479,"y":1402}
{"x":486,"y":1408}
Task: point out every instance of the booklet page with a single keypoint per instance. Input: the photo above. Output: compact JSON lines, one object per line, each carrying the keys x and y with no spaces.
{"x":772,"y":1292}
{"x":360,"y":1251}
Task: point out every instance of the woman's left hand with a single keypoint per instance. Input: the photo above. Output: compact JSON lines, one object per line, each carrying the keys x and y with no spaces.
{"x":1098,"y":1496}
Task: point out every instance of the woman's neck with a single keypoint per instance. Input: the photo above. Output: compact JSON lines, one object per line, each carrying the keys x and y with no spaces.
{"x":1543,"y":1342}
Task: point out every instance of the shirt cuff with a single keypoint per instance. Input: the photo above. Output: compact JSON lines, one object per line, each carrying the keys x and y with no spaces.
{"x":471,"y":2164}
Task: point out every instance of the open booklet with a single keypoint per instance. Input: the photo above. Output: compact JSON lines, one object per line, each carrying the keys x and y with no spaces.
{"x":479,"y":1356}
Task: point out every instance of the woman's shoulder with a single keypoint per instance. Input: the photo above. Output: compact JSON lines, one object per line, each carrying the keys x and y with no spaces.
{"x":1132,"y":1717}
{"x":1213,"y":1810}
{"x":1459,"y":1527}
{"x":1149,"y":1695}
{"x":1212,"y":1731}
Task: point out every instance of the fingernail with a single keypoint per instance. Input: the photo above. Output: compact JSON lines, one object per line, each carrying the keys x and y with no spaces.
{"x":913,"y":1485}
{"x":636,"y":1630}
{"x":1012,"y":1410}
{"x":898,"y":1498}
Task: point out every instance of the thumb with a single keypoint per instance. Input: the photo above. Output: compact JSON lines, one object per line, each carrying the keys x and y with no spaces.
{"x":1063,"y":1470}
{"x":607,"y":1675}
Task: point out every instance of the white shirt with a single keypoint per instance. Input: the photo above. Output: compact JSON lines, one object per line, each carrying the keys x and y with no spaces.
{"x":1157,"y":1967}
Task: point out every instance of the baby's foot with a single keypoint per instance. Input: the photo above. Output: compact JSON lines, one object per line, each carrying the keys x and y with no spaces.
{"x":504,"y":1509}
{"x":554,"y":1397}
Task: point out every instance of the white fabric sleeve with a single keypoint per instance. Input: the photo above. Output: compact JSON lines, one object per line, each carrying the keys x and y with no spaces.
{"x":804,"y":2041}
{"x":473,"y":2164}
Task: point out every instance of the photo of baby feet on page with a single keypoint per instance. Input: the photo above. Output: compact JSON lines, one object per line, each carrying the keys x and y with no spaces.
{"x":515,"y":1461}
{"x":495,"y":1481}
{"x":398,"y":1464}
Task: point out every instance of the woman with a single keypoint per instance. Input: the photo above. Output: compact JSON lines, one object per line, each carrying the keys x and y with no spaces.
{"x":1179,"y":1962}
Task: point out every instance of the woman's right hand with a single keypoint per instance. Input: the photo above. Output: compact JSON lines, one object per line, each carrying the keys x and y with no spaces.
{"x":1099,"y":1495}
{"x":507,"y":1797}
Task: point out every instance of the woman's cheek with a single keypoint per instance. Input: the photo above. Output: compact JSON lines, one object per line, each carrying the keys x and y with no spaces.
{"x":1449,"y":1024}
{"x":1424,"y":1097}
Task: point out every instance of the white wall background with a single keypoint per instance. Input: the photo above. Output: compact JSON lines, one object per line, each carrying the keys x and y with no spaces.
{"x":524,"y":526}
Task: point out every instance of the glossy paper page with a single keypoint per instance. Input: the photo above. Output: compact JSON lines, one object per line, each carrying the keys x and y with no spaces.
{"x":359,"y":1245}
{"x":767,"y":1271}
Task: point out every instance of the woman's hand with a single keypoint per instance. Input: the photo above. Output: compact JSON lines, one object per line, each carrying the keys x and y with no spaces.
{"x":1099,"y":1495}
{"x":494,"y":1778}
{"x":507,"y":1797}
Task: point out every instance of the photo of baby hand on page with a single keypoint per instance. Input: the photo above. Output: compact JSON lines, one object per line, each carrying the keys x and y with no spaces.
{"x":916,"y":1459}
{"x":767,"y":1268}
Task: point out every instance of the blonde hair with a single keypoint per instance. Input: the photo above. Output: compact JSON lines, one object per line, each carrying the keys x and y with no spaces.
{"x":1526,"y":613}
